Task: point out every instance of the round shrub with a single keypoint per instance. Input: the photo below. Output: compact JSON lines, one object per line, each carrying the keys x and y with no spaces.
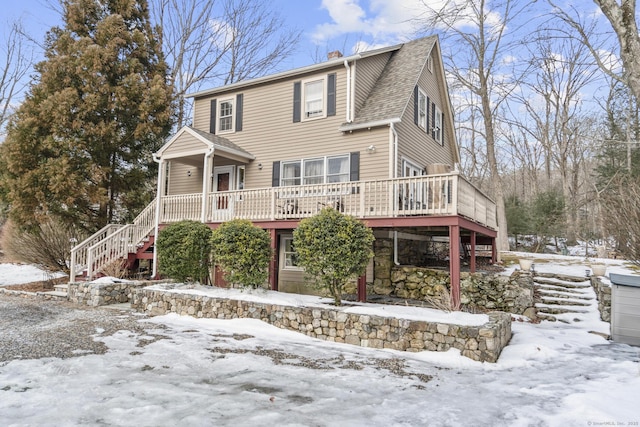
{"x":184,"y":251}
{"x":243,"y":252}
{"x":333,"y":248}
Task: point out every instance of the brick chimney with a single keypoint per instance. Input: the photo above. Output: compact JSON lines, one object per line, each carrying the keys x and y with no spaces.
{"x":333,"y":55}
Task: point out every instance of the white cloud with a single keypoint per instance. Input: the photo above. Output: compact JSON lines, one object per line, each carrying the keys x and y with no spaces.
{"x":382,"y":20}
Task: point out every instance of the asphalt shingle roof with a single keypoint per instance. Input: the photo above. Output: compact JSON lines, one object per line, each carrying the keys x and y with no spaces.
{"x":391,"y":94}
{"x":219,"y":141}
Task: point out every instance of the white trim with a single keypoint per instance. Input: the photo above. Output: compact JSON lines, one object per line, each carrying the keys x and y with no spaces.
{"x":303,"y":98}
{"x":367,"y":125}
{"x":325,"y":168}
{"x":232,"y":101}
{"x":217,"y":170}
{"x":282,"y":254}
{"x":208,"y":145}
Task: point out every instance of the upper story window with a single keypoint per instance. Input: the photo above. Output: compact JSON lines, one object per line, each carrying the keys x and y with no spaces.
{"x":226,"y":115}
{"x":422,"y":109}
{"x":314,"y":99}
{"x":437,"y":125}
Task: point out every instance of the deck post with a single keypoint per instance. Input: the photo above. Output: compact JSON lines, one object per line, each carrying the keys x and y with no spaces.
{"x":494,"y":251}
{"x":158,"y":216}
{"x":362,"y":288}
{"x":454,"y":264}
{"x":273,"y":264}
{"x":472,"y":261}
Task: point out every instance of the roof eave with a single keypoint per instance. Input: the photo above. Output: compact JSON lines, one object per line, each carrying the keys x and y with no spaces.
{"x":367,"y":125}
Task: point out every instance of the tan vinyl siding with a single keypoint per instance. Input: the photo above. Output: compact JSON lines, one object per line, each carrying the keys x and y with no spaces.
{"x":270,"y":134}
{"x":415,"y":144}
{"x":185,"y":143}
{"x":368,"y":72}
{"x":179,"y":180}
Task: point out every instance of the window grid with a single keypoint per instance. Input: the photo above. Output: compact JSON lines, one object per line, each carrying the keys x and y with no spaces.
{"x":314,"y":99}
{"x":226,"y":115}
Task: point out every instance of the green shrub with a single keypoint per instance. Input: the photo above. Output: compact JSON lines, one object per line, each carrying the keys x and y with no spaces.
{"x":184,"y":251}
{"x":333,"y":248}
{"x":243,"y":252}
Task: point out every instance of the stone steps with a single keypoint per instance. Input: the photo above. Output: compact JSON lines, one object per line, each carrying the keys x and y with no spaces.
{"x":559,"y":297}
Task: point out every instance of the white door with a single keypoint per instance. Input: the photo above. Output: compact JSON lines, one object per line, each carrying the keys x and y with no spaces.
{"x":222,"y":182}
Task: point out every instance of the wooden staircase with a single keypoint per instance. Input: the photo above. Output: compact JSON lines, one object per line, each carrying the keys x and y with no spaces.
{"x":114,"y":242}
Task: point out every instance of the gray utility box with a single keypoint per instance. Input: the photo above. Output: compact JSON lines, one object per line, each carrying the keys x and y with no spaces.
{"x":625,"y":308}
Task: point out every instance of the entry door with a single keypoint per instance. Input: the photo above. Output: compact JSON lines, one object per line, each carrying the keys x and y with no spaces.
{"x":413,"y":192}
{"x":222,"y":181}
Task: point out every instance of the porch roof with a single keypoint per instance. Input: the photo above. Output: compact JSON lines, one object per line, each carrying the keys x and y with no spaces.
{"x":209,"y":142}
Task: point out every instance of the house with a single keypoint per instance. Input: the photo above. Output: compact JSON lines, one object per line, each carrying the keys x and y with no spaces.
{"x":370,"y":134}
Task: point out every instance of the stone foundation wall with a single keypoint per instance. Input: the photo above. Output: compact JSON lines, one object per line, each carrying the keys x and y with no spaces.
{"x":603,"y":293}
{"x":98,"y":294}
{"x":482,"y":343}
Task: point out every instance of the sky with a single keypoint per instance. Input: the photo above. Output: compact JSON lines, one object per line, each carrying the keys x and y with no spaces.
{"x":242,"y":372}
{"x":332,"y":24}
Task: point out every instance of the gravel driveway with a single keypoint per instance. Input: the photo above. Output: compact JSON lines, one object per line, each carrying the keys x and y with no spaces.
{"x":36,"y":328}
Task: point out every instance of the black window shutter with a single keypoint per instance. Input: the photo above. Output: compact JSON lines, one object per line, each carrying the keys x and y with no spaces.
{"x":275,"y":175}
{"x":354,"y":174}
{"x":442,"y":128}
{"x":239,"y":100}
{"x":433,"y":120}
{"x":212,"y":118}
{"x":415,"y":106}
{"x":427,"y":114}
{"x":297,"y":102}
{"x":331,"y":95}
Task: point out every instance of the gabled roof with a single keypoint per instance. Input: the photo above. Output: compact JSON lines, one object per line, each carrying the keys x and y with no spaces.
{"x":391,"y":94}
{"x":210,"y":142}
{"x":332,"y":63}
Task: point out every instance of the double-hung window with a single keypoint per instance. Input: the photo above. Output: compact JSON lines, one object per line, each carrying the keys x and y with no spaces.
{"x":291,"y":172}
{"x":422,"y":109}
{"x":437,"y":125}
{"x":338,"y":169}
{"x":226,"y":115}
{"x":290,"y":255}
{"x":313,"y":171}
{"x":314,"y":99}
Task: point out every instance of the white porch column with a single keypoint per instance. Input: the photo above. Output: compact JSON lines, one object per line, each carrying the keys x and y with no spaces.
{"x":161,"y":190}
{"x":207,"y":169}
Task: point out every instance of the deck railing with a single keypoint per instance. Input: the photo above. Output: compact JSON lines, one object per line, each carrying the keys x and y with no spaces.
{"x":438,"y":195}
{"x":441,"y":195}
{"x":112,"y":242}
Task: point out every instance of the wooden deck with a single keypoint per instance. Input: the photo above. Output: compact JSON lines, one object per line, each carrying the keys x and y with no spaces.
{"x":443,"y":195}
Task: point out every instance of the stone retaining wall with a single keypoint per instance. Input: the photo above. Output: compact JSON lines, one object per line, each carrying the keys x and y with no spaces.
{"x":482,"y":343}
{"x":35,"y":295}
{"x":98,"y":294}
{"x":603,"y":293}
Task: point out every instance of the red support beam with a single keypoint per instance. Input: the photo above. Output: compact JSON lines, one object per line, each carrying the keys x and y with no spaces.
{"x":472,"y":261}
{"x":454,"y":264}
{"x":273,"y":265}
{"x":362,"y":288}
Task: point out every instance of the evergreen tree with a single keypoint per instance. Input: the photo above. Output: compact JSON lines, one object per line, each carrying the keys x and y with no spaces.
{"x":79,"y":147}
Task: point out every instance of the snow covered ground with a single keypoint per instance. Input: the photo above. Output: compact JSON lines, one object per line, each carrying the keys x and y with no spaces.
{"x":14,"y":274}
{"x":206,"y":372}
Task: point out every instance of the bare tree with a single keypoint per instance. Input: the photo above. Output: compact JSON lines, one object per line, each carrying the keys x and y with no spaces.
{"x":207,"y":42}
{"x":15,"y":62}
{"x":553,"y":101}
{"x":621,"y":15}
{"x":479,"y":33}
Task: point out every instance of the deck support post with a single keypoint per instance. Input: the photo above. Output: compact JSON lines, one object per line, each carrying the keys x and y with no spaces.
{"x":454,"y":264}
{"x":494,"y":251}
{"x":273,"y":264}
{"x":472,"y":261}
{"x":362,"y":288}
